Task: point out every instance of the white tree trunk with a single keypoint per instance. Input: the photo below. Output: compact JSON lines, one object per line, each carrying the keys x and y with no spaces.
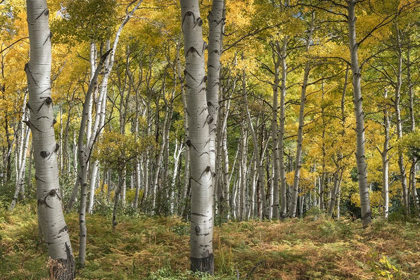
{"x":20,"y":182}
{"x":216,"y":22}
{"x":277,"y":60}
{"x":283,"y":186}
{"x":360,"y":117}
{"x":38,"y":71}
{"x":295,"y":189}
{"x":260,"y":171}
{"x":201,"y":234}
{"x":406,"y":201}
{"x":413,"y":128}
{"x":177,"y":155}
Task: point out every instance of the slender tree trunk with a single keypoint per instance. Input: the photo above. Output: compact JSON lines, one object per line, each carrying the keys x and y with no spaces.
{"x":216,"y":22}
{"x":117,"y":197}
{"x":201,"y":233}
{"x":93,"y":179}
{"x":295,"y":189}
{"x":257,"y":155}
{"x":413,"y":128}
{"x":20,"y":183}
{"x":360,"y":117}
{"x":84,"y":154}
{"x":20,"y":159}
{"x":177,"y":155}
{"x":385,"y":162}
{"x":38,"y":71}
{"x":274,"y":130}
{"x":334,"y":193}
{"x":283,"y":186}
{"x":186,"y":185}
{"x":406,"y":200}
{"x":242,"y":185}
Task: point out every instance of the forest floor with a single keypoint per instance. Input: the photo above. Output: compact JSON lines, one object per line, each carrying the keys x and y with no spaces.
{"x":157,"y":248}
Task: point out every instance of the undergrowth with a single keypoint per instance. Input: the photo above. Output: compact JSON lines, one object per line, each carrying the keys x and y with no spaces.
{"x":141,"y":247}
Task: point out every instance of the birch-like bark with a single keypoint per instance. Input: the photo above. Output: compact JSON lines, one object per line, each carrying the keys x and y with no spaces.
{"x":137,"y":170}
{"x":406,"y":201}
{"x":177,"y":156}
{"x":335,"y":190}
{"x":242,"y":185}
{"x":359,"y":115}
{"x":20,"y":159}
{"x":257,"y":155}
{"x":164,"y":147}
{"x":295,"y":189}
{"x":413,"y":128}
{"x":224,"y":201}
{"x":201,"y":233}
{"x":84,"y":152}
{"x":95,"y":168}
{"x":185,"y":187}
{"x":38,"y":71}
{"x":385,"y":162}
{"x":20,"y":182}
{"x":283,"y":186}
{"x":216,"y":22}
{"x":274,"y":130}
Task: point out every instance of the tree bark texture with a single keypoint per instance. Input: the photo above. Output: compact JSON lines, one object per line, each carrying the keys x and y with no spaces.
{"x":295,"y":189}
{"x":360,"y":117}
{"x":38,"y":71}
{"x":201,"y":231}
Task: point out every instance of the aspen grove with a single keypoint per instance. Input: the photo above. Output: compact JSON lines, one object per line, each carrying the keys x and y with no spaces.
{"x":213,"y":113}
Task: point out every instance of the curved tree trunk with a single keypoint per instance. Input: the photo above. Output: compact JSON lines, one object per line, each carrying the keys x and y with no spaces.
{"x":38,"y":71}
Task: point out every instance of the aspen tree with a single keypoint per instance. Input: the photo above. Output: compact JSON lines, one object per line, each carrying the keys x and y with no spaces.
{"x":277,"y":60}
{"x":295,"y":189}
{"x":397,"y":101}
{"x":201,"y":231}
{"x":216,"y":22}
{"x":283,"y":186}
{"x":359,"y":115}
{"x":412,"y":126}
{"x":38,"y":71}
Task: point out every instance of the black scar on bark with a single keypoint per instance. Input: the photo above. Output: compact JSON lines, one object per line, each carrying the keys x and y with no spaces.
{"x":189,"y":144}
{"x":44,"y":154}
{"x":63,"y":229}
{"x":205,"y":264}
{"x":48,"y":101}
{"x":189,"y":13}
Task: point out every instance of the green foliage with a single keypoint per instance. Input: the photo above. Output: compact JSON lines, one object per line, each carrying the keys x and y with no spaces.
{"x":410,"y":144}
{"x":385,"y":268}
{"x":117,"y":150}
{"x":314,"y":212}
{"x":85,"y":21}
{"x":181,"y":230}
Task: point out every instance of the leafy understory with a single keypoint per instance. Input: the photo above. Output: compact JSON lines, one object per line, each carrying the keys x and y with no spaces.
{"x":156,"y":248}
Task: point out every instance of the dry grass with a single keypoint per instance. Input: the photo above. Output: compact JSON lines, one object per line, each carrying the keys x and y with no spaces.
{"x":157,"y":248}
